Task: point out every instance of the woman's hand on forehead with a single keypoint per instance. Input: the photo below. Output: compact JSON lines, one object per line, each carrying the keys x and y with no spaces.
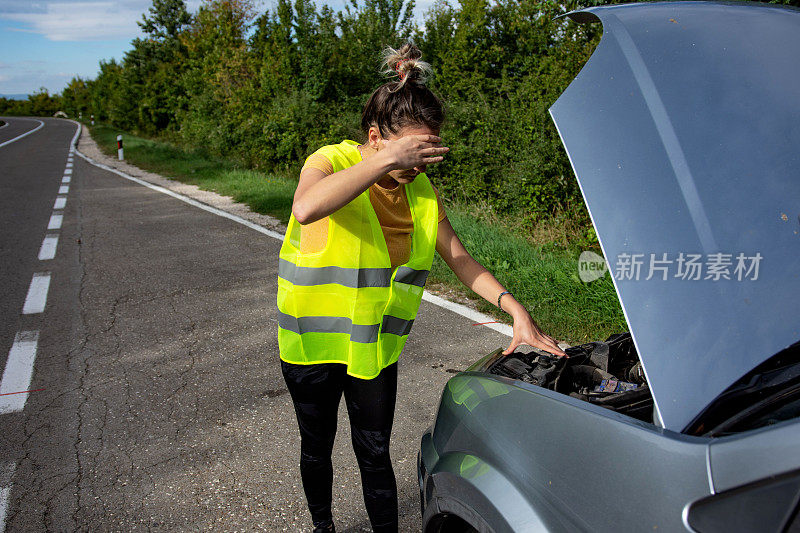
{"x":425,"y":137}
{"x":412,"y":151}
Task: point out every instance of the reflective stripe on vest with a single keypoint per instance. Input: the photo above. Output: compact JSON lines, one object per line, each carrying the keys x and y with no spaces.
{"x":345,"y":304}
{"x":342,"y":324}
{"x":411,"y":276}
{"x":350,"y":277}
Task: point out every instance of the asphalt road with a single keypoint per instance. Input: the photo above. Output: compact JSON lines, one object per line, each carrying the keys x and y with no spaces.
{"x":158,"y":402}
{"x":18,"y":126}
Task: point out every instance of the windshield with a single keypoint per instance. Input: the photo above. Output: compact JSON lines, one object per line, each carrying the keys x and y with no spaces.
{"x":767,"y":395}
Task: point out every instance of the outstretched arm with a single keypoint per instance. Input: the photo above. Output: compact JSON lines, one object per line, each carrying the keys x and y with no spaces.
{"x":476,"y":277}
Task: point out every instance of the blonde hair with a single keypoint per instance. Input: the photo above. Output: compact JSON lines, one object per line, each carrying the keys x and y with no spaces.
{"x":405,"y":63}
{"x":405,"y":101}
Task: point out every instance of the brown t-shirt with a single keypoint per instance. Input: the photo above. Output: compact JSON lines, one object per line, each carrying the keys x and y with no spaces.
{"x":391,"y":207}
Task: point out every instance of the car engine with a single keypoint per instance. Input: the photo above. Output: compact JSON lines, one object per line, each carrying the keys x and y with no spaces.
{"x":608,"y":374}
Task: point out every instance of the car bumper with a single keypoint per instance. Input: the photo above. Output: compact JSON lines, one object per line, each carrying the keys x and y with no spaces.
{"x":423,"y":477}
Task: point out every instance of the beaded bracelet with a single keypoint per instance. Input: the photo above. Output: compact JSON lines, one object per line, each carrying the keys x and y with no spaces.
{"x":501,"y":295}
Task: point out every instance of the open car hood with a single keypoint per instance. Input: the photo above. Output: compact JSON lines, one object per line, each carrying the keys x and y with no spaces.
{"x":683,"y":130}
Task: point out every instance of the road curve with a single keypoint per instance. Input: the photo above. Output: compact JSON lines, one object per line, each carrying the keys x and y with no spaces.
{"x":17,"y":128}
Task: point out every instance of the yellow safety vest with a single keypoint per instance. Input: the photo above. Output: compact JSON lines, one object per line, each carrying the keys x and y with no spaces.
{"x":345,"y":304}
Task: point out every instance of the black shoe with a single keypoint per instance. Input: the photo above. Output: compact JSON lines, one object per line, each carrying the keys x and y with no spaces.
{"x":325,"y":526}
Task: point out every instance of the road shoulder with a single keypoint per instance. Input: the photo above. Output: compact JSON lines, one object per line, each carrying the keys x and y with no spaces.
{"x":88,"y":147}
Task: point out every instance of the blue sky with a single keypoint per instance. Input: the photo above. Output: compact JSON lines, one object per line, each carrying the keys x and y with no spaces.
{"x":46,"y":43}
{"x":31,"y":60}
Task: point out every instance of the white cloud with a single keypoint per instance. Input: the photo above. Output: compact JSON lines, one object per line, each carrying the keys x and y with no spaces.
{"x":66,"y":22}
{"x":26,"y":80}
{"x":90,"y":20}
{"x":87,"y":20}
{"x":84,"y":21}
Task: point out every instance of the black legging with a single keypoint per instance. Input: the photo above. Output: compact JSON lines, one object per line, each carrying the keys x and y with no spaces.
{"x":316,"y":390}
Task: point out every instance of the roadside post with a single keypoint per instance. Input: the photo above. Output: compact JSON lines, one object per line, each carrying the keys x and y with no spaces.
{"x":119,"y":147}
{"x":92,"y":120}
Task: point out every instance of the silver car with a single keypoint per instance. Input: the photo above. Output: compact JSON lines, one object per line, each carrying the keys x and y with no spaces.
{"x":683,"y":130}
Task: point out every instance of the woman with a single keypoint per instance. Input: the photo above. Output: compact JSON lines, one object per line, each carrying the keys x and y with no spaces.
{"x":352,"y":268}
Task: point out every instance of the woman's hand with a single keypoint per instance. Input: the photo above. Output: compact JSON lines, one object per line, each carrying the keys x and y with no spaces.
{"x":413,"y":151}
{"x":527,"y":332}
{"x":476,"y":277}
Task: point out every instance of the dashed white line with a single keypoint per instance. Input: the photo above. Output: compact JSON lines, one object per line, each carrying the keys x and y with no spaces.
{"x":55,"y":221}
{"x":5,"y":492}
{"x":37,"y":128}
{"x":37,"y":294}
{"x":18,"y":372}
{"x":6,"y":475}
{"x":48,"y":249}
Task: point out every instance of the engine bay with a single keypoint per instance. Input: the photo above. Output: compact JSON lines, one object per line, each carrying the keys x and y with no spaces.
{"x":608,"y":374}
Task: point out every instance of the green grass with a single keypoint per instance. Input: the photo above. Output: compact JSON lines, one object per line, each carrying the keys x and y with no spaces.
{"x":540,"y":267}
{"x":544,"y":278}
{"x":264,"y":193}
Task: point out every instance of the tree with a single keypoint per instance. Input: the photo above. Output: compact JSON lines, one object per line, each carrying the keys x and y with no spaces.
{"x":167,"y":19}
{"x":153,"y":67}
{"x":274,"y":49}
{"x":42,"y":104}
{"x":106,"y":100}
{"x":76,"y":98}
{"x":220,"y":75}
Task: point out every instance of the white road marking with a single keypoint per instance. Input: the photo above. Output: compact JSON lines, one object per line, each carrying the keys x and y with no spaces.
{"x":18,"y":372}
{"x":67,"y":171}
{"x":456,"y":308}
{"x":66,"y":179}
{"x":465,"y":311}
{"x":5,"y":492}
{"x":18,"y":137}
{"x":48,"y":249}
{"x":69,"y":163}
{"x":6,"y":475}
{"x":61,"y":202}
{"x":190,"y":201}
{"x":4,"y":125}
{"x":64,"y":189}
{"x":55,"y":221}
{"x":37,"y":294}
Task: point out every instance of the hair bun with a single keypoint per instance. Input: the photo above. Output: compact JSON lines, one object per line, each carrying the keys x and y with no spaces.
{"x":405,"y":63}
